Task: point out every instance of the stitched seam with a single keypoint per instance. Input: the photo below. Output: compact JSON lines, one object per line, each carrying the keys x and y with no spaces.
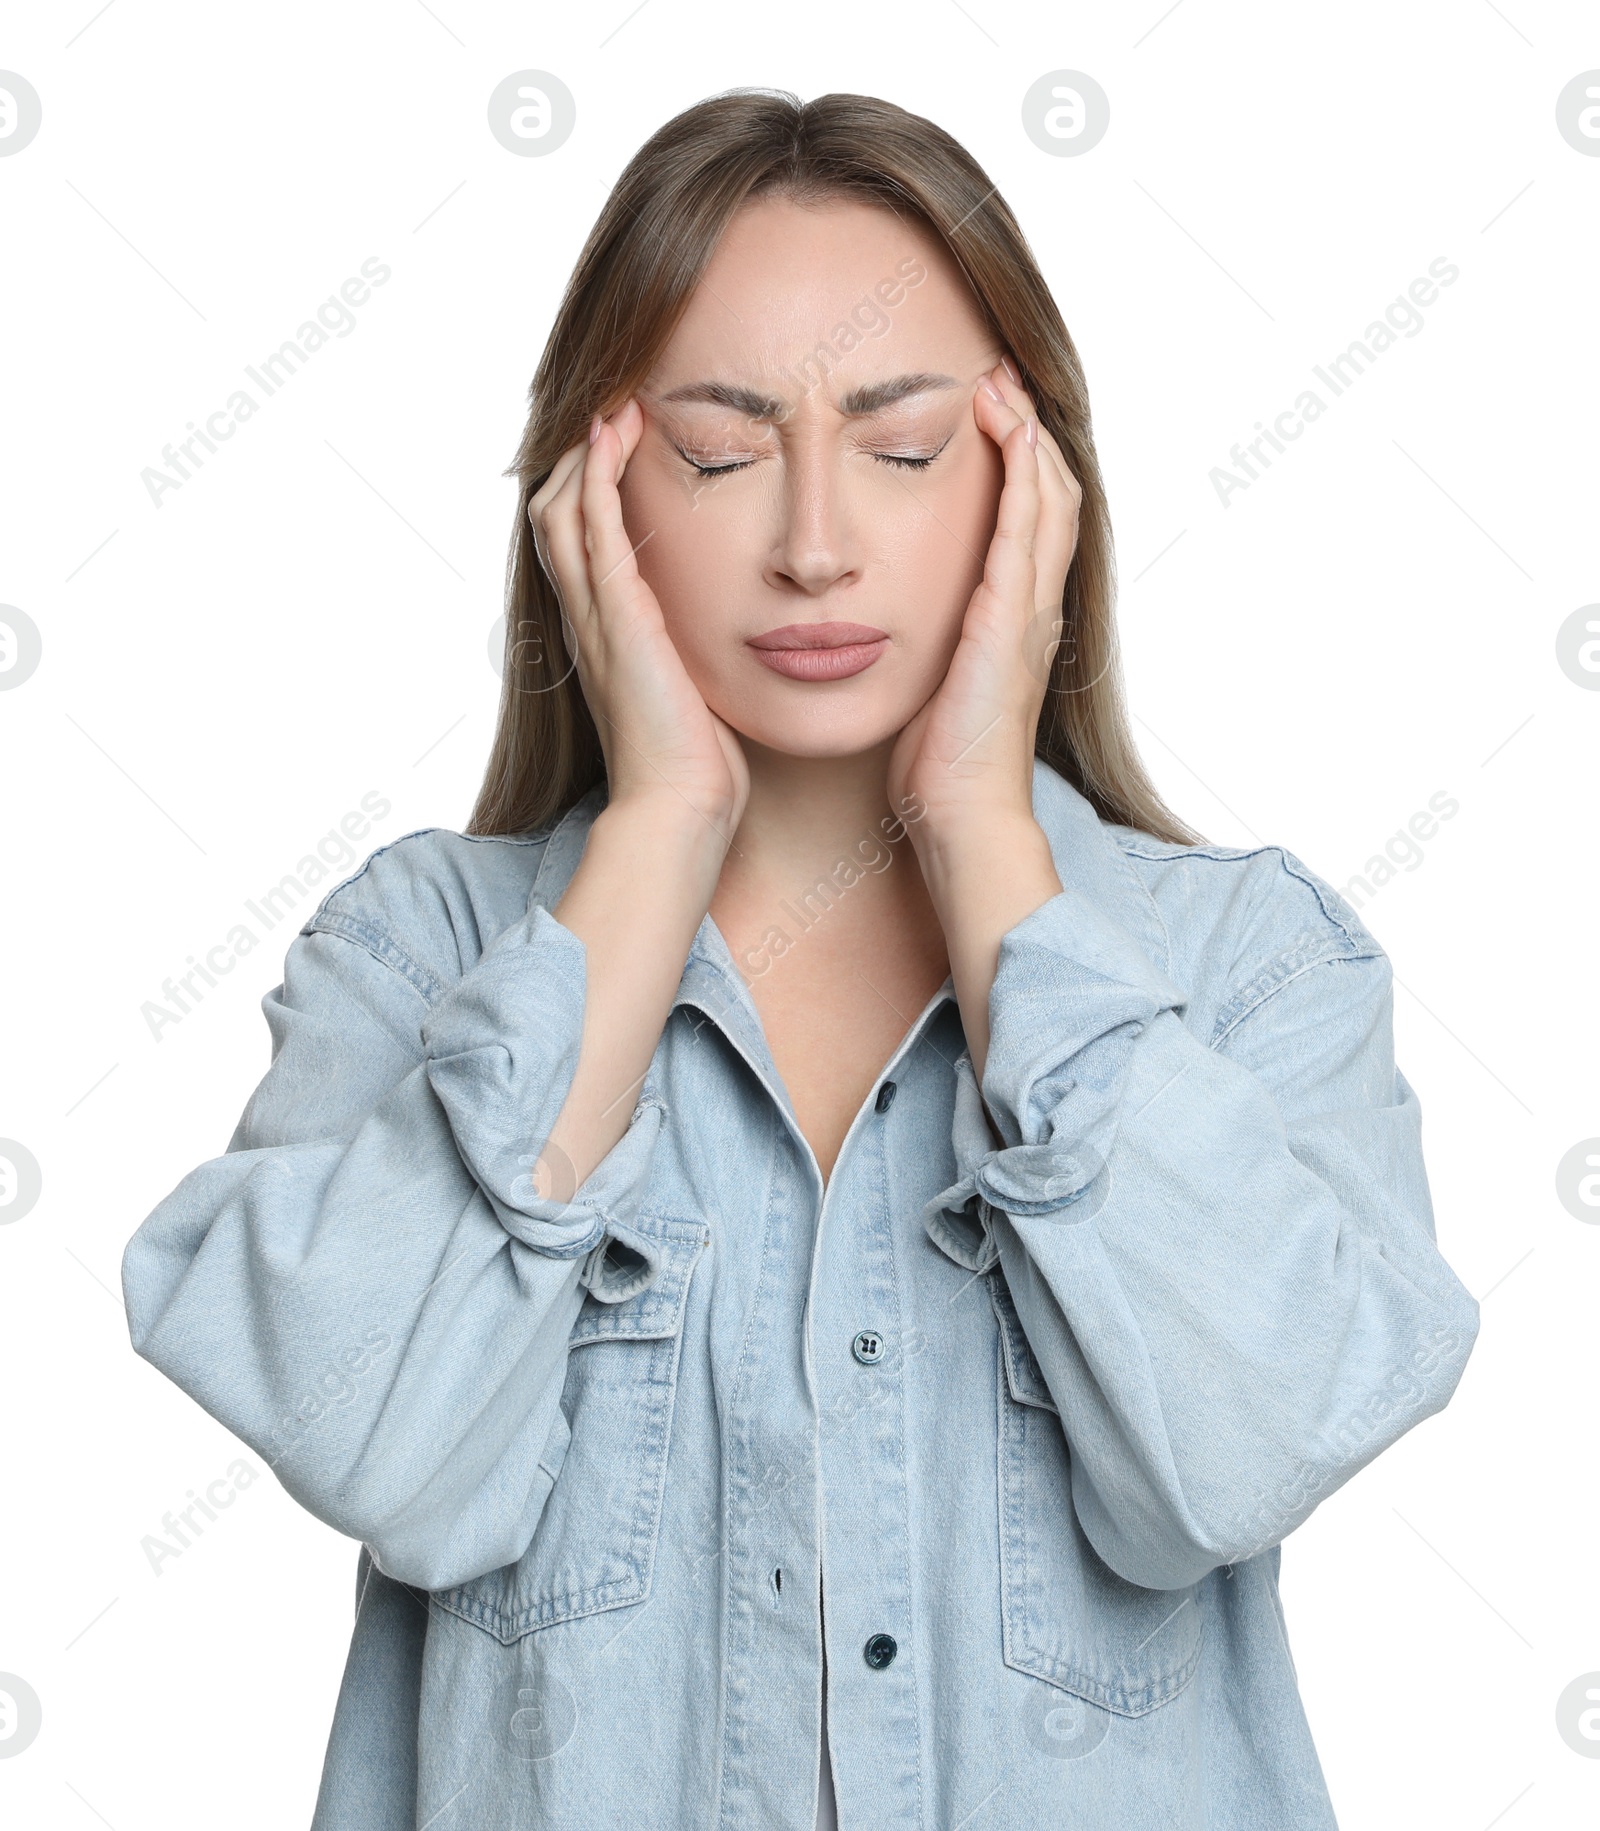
{"x":737,"y":1385}
{"x":896,"y":1423}
{"x":1013,"y":1345}
{"x":508,"y":1628}
{"x":380,"y":944}
{"x":1305,"y":950}
{"x":1358,"y":937}
{"x":659,"y":1303}
{"x":509,"y":1613}
{"x":1224,"y":1031}
{"x":482,"y":839}
{"x":655,"y":1435}
{"x":1148,"y":894}
{"x":498,"y":839}
{"x":356,"y":876}
{"x":401,"y":1035}
{"x":1361,"y":941}
{"x":1024,"y":1633}
{"x":376,"y":939}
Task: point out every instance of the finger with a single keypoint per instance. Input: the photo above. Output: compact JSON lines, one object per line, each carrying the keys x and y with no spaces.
{"x":612,"y":571}
{"x":1020,"y":401}
{"x":629,"y":423}
{"x":1009,"y":568}
{"x":539,"y":506}
{"x":1059,"y":499}
{"x":1060,"y":496}
{"x":560,"y":471}
{"x":561,"y":527}
{"x":994,"y":413}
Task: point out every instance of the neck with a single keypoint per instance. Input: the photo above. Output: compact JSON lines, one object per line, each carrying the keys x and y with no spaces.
{"x":819,"y":853}
{"x":805,"y":811}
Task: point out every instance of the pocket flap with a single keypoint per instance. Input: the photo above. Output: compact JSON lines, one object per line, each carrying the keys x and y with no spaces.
{"x":621,"y":1261}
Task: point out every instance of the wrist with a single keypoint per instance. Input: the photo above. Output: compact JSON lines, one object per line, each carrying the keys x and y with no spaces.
{"x":983,"y":878}
{"x":955,"y":848}
{"x":633,"y":846}
{"x":662,"y":827}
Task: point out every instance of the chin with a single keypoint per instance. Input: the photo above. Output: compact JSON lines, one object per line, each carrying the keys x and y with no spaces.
{"x":812,"y":722}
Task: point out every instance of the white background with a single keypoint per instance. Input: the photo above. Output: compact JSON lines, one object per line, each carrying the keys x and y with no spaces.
{"x":1373,"y":621}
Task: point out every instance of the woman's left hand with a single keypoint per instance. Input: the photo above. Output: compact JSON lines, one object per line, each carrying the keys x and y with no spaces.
{"x":965,"y":762}
{"x":966,"y":759}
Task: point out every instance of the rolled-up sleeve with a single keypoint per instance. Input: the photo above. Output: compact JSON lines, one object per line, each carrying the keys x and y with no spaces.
{"x":1220,"y":1249}
{"x":502,"y":1049}
{"x":366,"y":1287}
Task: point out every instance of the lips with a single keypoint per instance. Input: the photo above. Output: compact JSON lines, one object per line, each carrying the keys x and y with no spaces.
{"x":819,"y":635}
{"x":820,"y":651}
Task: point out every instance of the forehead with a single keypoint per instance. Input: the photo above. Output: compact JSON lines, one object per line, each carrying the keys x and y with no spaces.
{"x":841,"y":289}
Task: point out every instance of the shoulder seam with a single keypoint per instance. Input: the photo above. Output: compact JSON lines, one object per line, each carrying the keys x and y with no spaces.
{"x":1142,"y":889}
{"x":355,"y":877}
{"x":382,"y":946}
{"x":1358,"y":938}
{"x":391,"y":960}
{"x":501,"y":839}
{"x":375,"y":938}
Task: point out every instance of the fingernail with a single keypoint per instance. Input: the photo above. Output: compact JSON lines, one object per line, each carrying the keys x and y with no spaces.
{"x":1032,"y":432}
{"x":991,"y":390}
{"x":1011,"y":369}
{"x":594,"y":429}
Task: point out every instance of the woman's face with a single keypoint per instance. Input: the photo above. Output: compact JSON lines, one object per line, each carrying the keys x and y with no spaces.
{"x":809,"y":459}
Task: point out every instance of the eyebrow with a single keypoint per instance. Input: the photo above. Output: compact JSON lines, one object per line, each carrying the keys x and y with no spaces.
{"x":871,"y":398}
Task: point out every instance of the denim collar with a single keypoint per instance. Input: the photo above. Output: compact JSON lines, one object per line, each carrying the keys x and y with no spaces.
{"x":1084,"y":849}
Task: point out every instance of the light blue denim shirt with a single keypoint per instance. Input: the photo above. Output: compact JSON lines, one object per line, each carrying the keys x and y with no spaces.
{"x":1037,"y":1416}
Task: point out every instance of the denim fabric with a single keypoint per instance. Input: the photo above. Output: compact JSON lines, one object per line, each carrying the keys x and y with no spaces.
{"x":599,"y":1453}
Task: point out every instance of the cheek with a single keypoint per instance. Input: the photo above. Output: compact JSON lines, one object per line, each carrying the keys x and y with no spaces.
{"x":946,"y":518}
{"x":682,"y":552}
{"x":969,"y":499}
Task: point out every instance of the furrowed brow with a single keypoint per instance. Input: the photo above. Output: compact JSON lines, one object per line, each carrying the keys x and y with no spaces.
{"x":725,"y":394}
{"x":875,"y":396}
{"x":859,"y":403}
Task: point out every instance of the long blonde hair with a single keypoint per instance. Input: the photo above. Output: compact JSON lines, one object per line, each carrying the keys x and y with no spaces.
{"x":632,"y":282}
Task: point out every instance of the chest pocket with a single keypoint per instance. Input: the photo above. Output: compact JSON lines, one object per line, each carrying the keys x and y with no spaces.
{"x":606,"y":1459}
{"x":1067,"y":1617}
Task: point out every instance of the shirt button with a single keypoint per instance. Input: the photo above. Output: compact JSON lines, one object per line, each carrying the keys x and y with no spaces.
{"x":867,"y":1347}
{"x":886,"y":1095}
{"x":879,"y":1651}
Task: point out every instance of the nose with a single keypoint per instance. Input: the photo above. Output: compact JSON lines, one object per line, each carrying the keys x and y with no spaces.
{"x":815,"y":549}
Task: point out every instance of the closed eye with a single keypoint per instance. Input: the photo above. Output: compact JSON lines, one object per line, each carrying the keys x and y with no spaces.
{"x":904,"y":461}
{"x":907,"y":461}
{"x":713,"y":470}
{"x":718,"y":470}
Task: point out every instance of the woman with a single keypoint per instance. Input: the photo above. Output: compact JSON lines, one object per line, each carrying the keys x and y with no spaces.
{"x":822,"y":1244}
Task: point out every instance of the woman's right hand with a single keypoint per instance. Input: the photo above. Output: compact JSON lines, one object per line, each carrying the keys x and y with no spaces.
{"x":662,"y":743}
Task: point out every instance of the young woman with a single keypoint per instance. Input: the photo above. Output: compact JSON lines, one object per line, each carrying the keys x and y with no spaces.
{"x":824,"y":1241}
